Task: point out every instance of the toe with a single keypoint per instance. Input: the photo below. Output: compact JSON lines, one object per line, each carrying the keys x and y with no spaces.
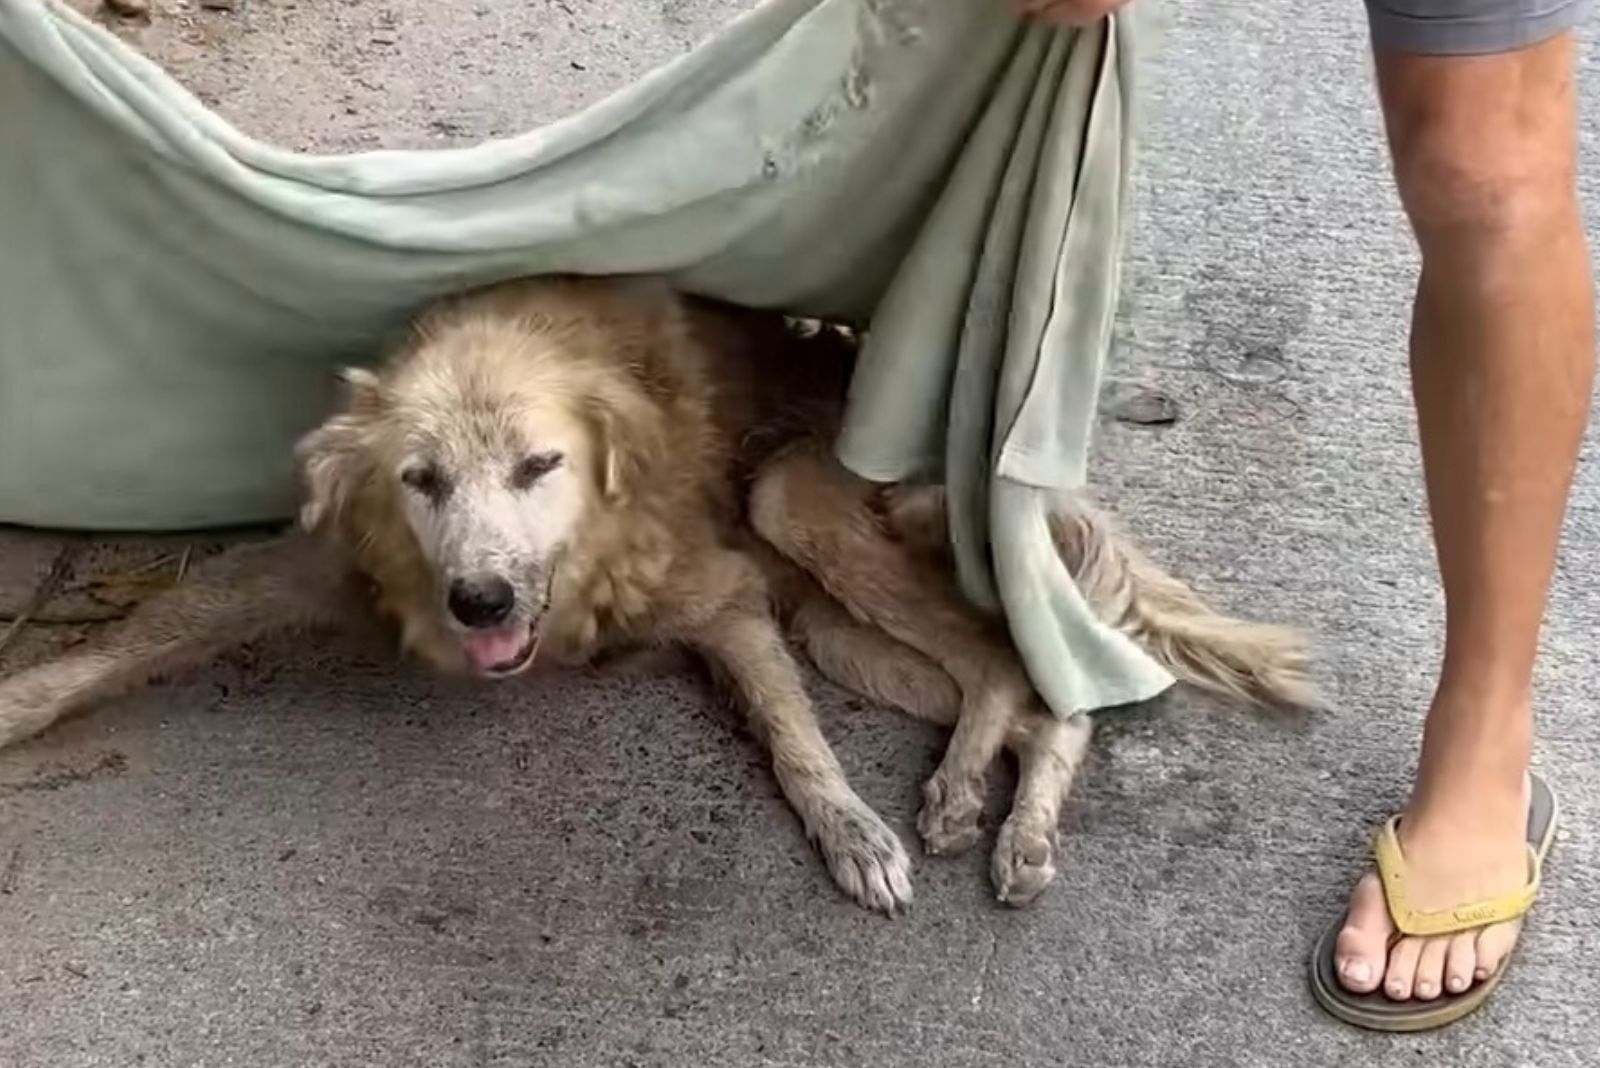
{"x":1494,"y":946}
{"x":1460,"y":961}
{"x":899,"y":874}
{"x":1023,"y":863}
{"x":1400,"y":979}
{"x":1363,"y":942}
{"x":948,"y":821}
{"x":1429,"y":982}
{"x":865,"y":857}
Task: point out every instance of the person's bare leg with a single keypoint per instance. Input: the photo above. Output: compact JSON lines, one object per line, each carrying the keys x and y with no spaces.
{"x":1502,"y":363}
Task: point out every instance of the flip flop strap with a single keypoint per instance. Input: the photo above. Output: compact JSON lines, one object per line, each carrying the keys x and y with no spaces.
{"x":1410,"y":920}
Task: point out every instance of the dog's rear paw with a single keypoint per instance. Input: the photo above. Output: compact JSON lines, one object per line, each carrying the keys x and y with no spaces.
{"x":1023,"y":863}
{"x":948,"y":821}
{"x":864,"y":856}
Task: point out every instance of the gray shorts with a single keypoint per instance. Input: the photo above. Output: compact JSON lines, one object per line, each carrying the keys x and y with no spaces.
{"x":1468,"y":27}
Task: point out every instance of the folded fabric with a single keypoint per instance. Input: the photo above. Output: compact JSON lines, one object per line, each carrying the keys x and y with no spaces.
{"x":174,"y":294}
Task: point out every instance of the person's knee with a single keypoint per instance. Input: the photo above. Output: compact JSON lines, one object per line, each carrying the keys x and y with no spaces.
{"x":1484,"y":150}
{"x":1456,"y":188}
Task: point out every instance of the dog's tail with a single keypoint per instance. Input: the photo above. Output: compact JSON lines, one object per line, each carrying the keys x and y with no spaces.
{"x":1261,"y":663}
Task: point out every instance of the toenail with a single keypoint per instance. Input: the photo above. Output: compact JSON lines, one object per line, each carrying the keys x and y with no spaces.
{"x":1357,"y":971}
{"x":1458,"y":983}
{"x":1397,"y":990}
{"x":1425,"y":989}
{"x":1481,"y":974}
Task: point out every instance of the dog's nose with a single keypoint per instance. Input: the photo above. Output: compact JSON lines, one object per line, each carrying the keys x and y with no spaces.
{"x":481,"y":601}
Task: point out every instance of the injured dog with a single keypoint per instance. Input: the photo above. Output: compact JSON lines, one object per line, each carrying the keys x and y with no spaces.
{"x":561,"y":468}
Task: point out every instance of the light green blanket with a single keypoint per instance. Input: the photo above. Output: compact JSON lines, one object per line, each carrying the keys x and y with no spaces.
{"x":174,"y":294}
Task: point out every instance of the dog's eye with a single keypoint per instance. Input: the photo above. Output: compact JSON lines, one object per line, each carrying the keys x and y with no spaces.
{"x":533,"y":468}
{"x":426,"y":480}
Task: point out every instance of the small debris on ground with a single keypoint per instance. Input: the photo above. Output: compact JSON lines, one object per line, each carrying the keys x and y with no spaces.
{"x":12,"y":876}
{"x":98,"y":599}
{"x":1144,"y":407}
{"x":123,"y":590}
{"x":60,"y":776}
{"x":59,"y":573}
{"x":128,"y":9}
{"x":219,"y":5}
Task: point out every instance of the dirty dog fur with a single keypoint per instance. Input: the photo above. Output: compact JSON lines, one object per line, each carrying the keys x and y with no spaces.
{"x":561,"y":469}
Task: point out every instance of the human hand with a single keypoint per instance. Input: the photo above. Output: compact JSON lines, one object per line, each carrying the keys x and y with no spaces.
{"x":1067,"y":12}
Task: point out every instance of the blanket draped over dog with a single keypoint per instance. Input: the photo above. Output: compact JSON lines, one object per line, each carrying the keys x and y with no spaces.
{"x":174,"y":295}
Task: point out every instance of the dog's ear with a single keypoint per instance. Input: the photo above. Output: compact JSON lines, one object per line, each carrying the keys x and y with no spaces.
{"x":333,"y":459}
{"x":630,"y":435}
{"x":363,"y":392}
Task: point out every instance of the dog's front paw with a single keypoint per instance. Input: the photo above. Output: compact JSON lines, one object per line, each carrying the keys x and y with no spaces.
{"x":948,"y":821}
{"x":32,"y":700}
{"x":1023,"y":863}
{"x":864,"y":856}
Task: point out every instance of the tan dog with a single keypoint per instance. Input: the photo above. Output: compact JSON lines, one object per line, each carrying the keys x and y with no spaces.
{"x":559,"y":469}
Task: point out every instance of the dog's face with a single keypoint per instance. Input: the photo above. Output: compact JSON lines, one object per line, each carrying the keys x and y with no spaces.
{"x":494,"y":494}
{"x":490,"y":472}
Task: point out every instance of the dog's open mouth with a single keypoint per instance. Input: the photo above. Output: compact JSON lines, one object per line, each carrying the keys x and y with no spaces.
{"x":502,"y":651}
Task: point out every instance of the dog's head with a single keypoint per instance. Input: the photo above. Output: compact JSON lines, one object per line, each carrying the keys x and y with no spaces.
{"x":463,"y":474}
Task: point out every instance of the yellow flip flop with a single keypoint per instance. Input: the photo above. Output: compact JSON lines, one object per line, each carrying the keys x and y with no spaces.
{"x":1376,"y":1011}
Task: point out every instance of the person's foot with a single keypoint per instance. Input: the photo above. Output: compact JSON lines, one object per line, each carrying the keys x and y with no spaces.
{"x":1464,"y":840}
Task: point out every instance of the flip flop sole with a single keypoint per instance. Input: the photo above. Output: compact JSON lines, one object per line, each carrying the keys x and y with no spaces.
{"x":1376,"y":1011}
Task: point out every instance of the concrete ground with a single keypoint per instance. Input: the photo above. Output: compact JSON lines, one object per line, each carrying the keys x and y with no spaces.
{"x":308,"y":857}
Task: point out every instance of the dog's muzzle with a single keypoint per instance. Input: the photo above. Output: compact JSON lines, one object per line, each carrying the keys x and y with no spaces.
{"x":499,"y":640}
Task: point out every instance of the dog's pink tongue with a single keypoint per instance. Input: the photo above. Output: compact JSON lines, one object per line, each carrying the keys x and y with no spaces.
{"x":489,"y":649}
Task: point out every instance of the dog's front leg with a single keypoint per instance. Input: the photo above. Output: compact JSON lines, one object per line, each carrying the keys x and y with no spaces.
{"x":226,"y":601}
{"x":865,"y":857}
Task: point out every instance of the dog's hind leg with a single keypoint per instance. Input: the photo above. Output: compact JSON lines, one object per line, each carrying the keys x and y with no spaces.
{"x":225,"y":601}
{"x":869,"y":662}
{"x":742,"y":643}
{"x":1049,"y":751}
{"x":820,"y":516}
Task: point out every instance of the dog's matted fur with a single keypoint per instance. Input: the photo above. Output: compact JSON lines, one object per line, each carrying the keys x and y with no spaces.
{"x":557,"y":469}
